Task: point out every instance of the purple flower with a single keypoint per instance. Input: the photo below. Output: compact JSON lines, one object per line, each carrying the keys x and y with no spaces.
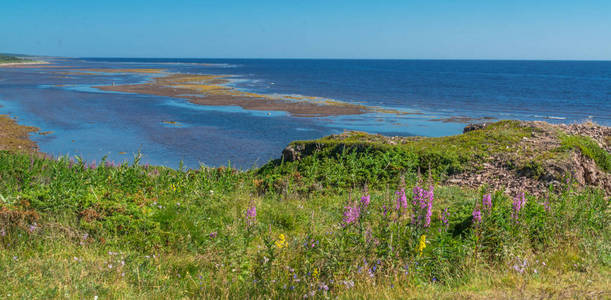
{"x":518,"y":203}
{"x":33,"y":227}
{"x":423,"y":205}
{"x":444,"y":217}
{"x":477,"y":215}
{"x":351,"y":214}
{"x":487,"y":202}
{"x":251,"y":214}
{"x":212,"y":235}
{"x":429,"y":207}
{"x":401,"y":199}
{"x":365,"y":200}
{"x":546,"y":204}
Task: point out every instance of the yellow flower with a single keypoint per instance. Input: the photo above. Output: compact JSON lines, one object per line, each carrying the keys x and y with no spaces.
{"x":281,"y":242}
{"x":315,"y":274}
{"x":422,"y":244}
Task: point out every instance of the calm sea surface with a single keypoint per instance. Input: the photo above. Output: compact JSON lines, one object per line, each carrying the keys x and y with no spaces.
{"x":90,"y":123}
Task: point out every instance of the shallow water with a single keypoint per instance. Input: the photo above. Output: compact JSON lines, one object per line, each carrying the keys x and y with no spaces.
{"x":91,"y":123}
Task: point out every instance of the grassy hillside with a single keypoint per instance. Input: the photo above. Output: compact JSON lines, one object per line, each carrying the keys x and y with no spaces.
{"x":304,"y":228}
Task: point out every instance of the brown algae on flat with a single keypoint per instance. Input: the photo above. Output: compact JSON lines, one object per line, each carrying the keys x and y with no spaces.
{"x":15,"y":137}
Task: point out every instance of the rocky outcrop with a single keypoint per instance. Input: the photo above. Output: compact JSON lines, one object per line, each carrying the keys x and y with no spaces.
{"x":537,"y":159}
{"x":476,"y":126}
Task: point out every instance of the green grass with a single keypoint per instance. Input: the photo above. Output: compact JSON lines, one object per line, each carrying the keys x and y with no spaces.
{"x":589,"y":148}
{"x":71,"y":231}
{"x":354,"y":159}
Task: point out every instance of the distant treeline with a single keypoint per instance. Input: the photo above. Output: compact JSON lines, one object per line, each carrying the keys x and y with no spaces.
{"x":9,"y":58}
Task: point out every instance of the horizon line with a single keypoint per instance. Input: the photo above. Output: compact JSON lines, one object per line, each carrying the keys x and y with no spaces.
{"x":316,"y":58}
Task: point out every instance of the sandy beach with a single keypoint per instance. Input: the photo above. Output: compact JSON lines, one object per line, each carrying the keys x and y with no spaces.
{"x":21,"y":64}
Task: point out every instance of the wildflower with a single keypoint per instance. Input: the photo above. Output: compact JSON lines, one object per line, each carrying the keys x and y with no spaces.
{"x":348,"y":283}
{"x":487,"y":202}
{"x":518,"y":203}
{"x":351,"y":214}
{"x":365,"y":200}
{"x":315,"y":275}
{"x":421,"y":244}
{"x":520,"y":266}
{"x":2,"y":232}
{"x":423,"y":205}
{"x":444,"y":218}
{"x":251,"y":214}
{"x":429,"y":207}
{"x":33,"y":227}
{"x":401,"y":199}
{"x":212,"y":235}
{"x":281,"y":242}
{"x":546,"y":204}
{"x":477,"y":215}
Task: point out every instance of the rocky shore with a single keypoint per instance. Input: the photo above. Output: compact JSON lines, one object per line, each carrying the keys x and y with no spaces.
{"x":15,"y":137}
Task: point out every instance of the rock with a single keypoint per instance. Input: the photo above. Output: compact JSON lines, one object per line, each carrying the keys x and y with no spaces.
{"x":472,"y":127}
{"x":290,"y":154}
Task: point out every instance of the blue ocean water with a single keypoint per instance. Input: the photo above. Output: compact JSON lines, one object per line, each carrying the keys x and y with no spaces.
{"x":565,"y":90}
{"x":91,"y":123}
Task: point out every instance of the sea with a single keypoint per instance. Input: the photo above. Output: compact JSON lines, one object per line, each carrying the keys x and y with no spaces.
{"x":434,"y":98}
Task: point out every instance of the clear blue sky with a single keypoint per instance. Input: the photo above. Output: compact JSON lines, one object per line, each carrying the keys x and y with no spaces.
{"x":488,"y":29}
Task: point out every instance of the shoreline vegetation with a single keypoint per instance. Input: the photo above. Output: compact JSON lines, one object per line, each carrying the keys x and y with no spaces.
{"x":11,"y":61}
{"x":509,"y":209}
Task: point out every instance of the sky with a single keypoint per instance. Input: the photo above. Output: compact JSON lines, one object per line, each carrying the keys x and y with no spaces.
{"x":374,"y":29}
